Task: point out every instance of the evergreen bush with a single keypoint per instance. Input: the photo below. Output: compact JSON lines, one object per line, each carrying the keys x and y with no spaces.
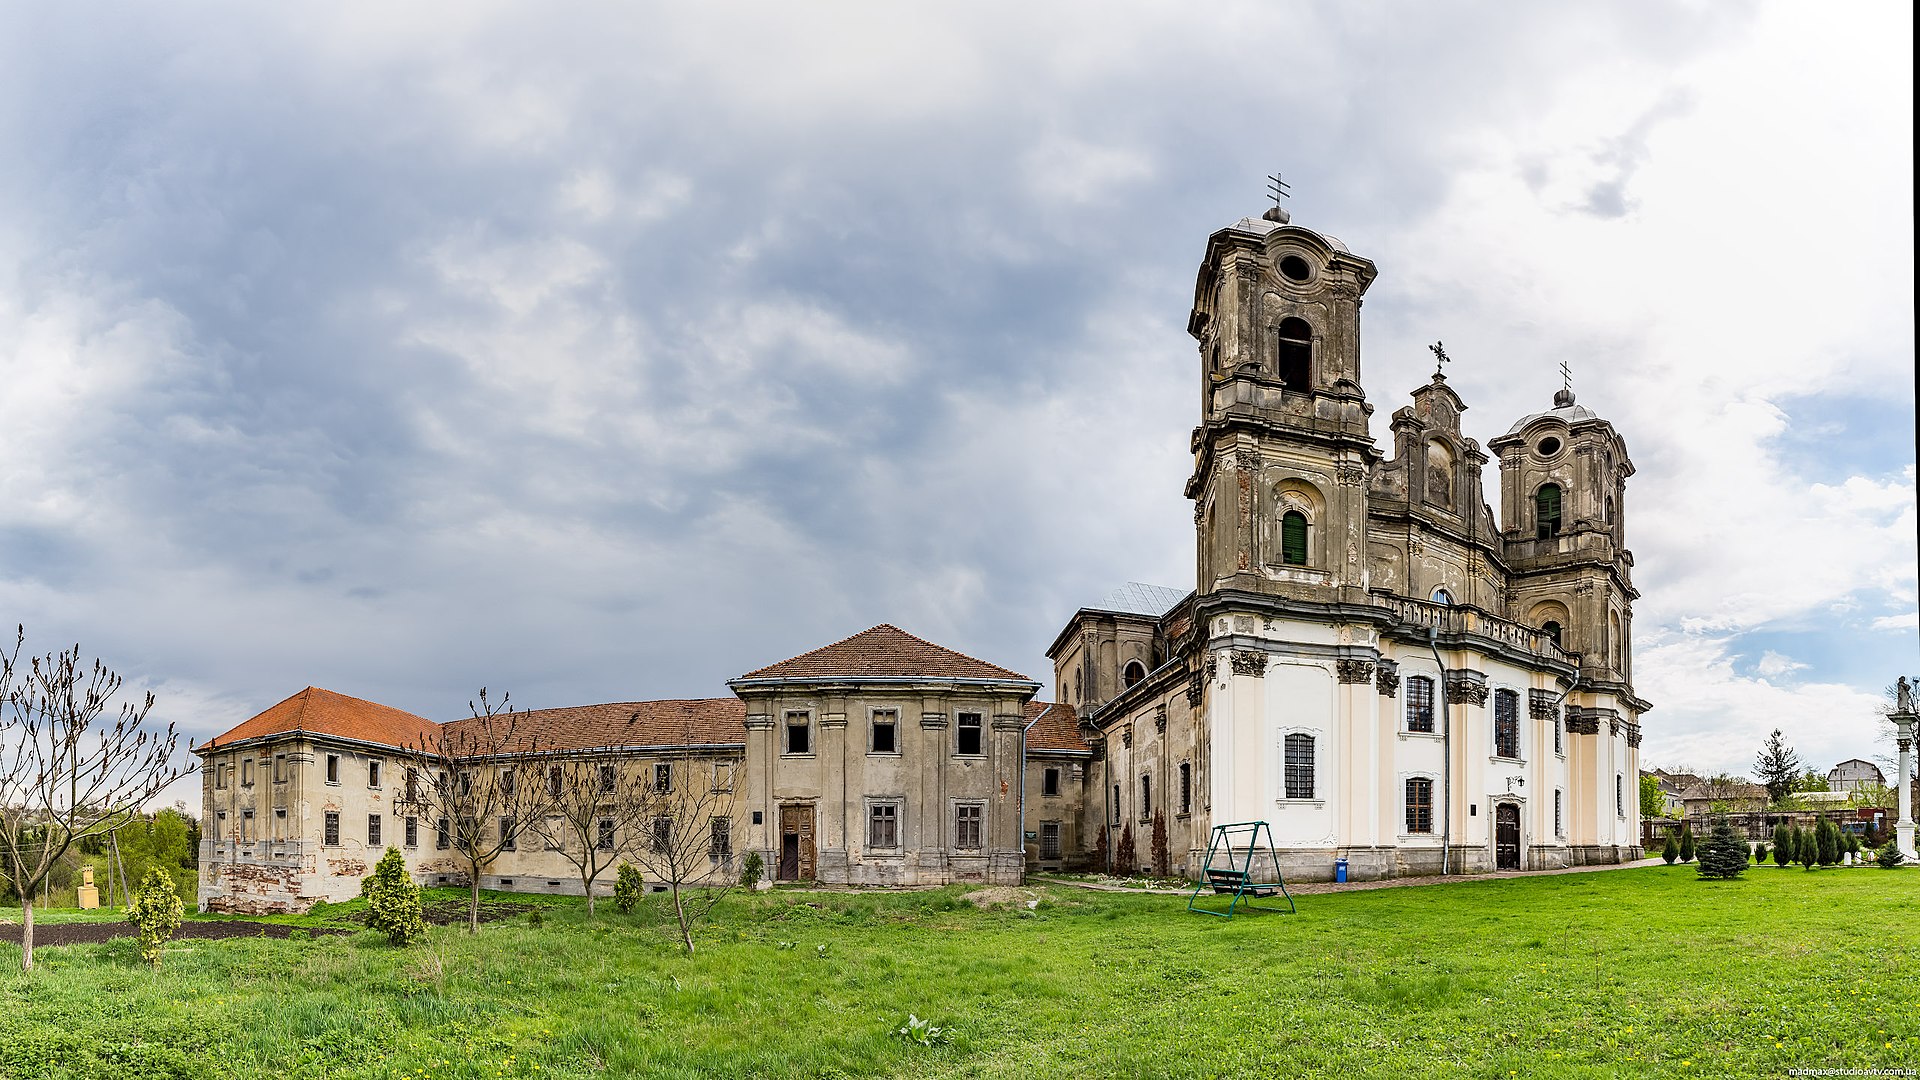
{"x":1760,"y":853}
{"x":1672,"y":849}
{"x":1807,"y":849}
{"x":1162,"y":853}
{"x":627,"y":888}
{"x":156,"y":911}
{"x":1889,"y":856}
{"x":1686,"y":843}
{"x":1782,"y":843}
{"x":752,"y":869}
{"x":393,"y":900}
{"x":1724,"y":855}
{"x":1829,"y":842}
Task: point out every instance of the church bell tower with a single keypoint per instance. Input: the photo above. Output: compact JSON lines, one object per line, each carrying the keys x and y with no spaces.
{"x":1282,"y":454}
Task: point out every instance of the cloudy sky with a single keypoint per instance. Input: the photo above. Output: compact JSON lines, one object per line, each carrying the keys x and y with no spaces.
{"x":606,"y":352}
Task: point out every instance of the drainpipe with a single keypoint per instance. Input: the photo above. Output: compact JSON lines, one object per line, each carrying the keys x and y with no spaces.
{"x":1446,"y":763}
{"x":1023,"y":787}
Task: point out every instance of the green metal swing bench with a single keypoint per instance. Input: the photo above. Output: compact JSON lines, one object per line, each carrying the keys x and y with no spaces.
{"x":1230,"y":869}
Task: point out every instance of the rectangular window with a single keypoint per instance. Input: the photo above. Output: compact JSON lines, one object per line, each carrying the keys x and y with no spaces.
{"x":966,"y":827}
{"x":1559,"y":825}
{"x":722,"y":844}
{"x":1619,"y":795}
{"x":1049,"y":839}
{"x":1419,"y":805}
{"x":608,"y":779}
{"x":246,"y":826}
{"x":1420,"y":704}
{"x":506,"y":783}
{"x":886,"y":726}
{"x":1116,"y":804}
{"x":1146,"y":798}
{"x":1299,"y":766}
{"x":219,"y":777}
{"x":466,"y":785}
{"x":413,"y":784}
{"x":331,"y":835}
{"x":662,"y":834}
{"x":883,"y":825}
{"x":219,"y":825}
{"x":279,"y":768}
{"x":1556,"y":732}
{"x":663,"y":777}
{"x":1186,"y":787}
{"x":967,"y":737}
{"x":279,"y":823}
{"x":412,"y":832}
{"x":1506,"y":724}
{"x":508,"y":841}
{"x":603,"y":834}
{"x":1050,"y":782}
{"x":556,"y":779}
{"x":442,"y":835}
{"x":333,"y":768}
{"x":373,"y":774}
{"x":798,"y":732}
{"x":723,"y":776}
{"x":246,"y":772}
{"x":373,"y":830}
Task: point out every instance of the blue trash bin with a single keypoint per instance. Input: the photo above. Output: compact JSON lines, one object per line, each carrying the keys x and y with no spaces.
{"x":1340,"y":870}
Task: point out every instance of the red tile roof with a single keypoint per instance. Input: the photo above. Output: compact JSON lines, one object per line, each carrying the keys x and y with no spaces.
{"x":884,"y":652}
{"x":323,"y":712}
{"x":700,"y":721}
{"x":1058,"y":730}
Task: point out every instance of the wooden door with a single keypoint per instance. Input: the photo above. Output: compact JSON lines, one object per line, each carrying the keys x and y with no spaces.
{"x":796,"y":843}
{"x":1506,"y":837}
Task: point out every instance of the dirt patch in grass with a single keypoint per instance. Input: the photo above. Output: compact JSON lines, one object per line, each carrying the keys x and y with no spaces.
{"x":454,"y":912}
{"x":1001,"y":896}
{"x":95,"y":932}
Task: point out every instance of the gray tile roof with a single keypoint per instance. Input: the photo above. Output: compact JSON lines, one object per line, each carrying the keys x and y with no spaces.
{"x":1134,"y":598}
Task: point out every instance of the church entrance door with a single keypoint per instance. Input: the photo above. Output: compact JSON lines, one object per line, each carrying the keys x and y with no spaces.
{"x":1506,"y":837}
{"x":796,"y":843}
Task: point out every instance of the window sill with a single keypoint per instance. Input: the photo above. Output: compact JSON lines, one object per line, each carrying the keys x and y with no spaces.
{"x":806,"y":756}
{"x":1183,"y":815}
{"x":982,"y":756}
{"x":1431,"y":838}
{"x":1434,"y":735}
{"x":884,"y":853}
{"x":1317,"y":803}
{"x":884,"y":753}
{"x":1502,"y":759}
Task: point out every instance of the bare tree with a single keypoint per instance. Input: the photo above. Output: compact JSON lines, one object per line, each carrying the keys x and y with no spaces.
{"x":595,"y":813}
{"x":66,"y":772}
{"x":477,"y":783}
{"x":688,"y":843}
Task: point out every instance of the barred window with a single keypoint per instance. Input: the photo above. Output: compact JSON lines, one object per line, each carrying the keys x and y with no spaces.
{"x":1419,"y":805}
{"x":373,"y":830}
{"x":607,"y":779}
{"x":1420,"y":704}
{"x":1299,"y":766}
{"x":721,"y":845}
{"x":1506,"y":723}
{"x":556,"y":779}
{"x":1559,"y":826}
{"x":1556,"y":732}
{"x":1186,"y":787}
{"x":966,"y":827}
{"x":1620,"y":794}
{"x":603,"y":834}
{"x":1049,"y":839}
{"x":663,"y":776}
{"x":442,"y":835}
{"x":331,"y":836}
{"x":662,"y":834}
{"x":883,"y":825}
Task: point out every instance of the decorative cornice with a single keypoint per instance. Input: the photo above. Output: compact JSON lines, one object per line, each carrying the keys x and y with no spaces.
{"x":1543,"y":704}
{"x":1160,"y":719}
{"x":1196,"y":690}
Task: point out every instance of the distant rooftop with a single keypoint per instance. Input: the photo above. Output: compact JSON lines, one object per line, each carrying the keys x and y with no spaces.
{"x":1134,"y":598}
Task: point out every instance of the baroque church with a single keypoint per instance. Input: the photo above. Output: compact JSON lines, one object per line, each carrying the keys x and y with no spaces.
{"x":1369,"y":660}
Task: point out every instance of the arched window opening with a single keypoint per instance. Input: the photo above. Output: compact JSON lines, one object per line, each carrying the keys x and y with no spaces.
{"x":1299,"y":766}
{"x":1546,"y":512}
{"x":1609,"y":509}
{"x":1442,"y":596}
{"x":1293,"y":538}
{"x":1420,"y":704}
{"x":1134,"y":673}
{"x":1293,"y":359}
{"x":1439,"y":474}
{"x":1552,"y":630}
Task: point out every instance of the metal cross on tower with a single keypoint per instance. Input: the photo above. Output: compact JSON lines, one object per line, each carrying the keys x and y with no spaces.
{"x":1439,"y":351}
{"x":1566,"y":377}
{"x":1277,"y":189}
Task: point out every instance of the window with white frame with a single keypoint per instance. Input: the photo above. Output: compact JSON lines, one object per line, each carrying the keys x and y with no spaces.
{"x":1506,"y":724}
{"x":1419,"y":804}
{"x":1299,"y":766}
{"x":1420,"y":704}
{"x":968,"y":740}
{"x":373,"y":774}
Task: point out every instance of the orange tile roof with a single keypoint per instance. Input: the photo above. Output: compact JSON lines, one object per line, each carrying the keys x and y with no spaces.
{"x":323,"y":712}
{"x":885,"y":651}
{"x":1059,"y":730}
{"x":699,"y":721}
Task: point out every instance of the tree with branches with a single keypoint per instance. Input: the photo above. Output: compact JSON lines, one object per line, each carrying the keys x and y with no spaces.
{"x":477,"y":782}
{"x":67,"y":771}
{"x":687,"y":844}
{"x":1777,"y":767}
{"x":596,"y":812}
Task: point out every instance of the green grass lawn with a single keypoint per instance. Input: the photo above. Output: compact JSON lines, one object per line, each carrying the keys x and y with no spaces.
{"x":1644,"y":972}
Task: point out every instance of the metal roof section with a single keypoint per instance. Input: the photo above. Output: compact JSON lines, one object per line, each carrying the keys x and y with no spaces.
{"x":1136,"y":598}
{"x":1261,"y":227}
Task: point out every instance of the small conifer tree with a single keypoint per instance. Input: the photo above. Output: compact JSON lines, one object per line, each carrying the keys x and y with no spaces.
{"x":1162,"y":854}
{"x":393,"y":900}
{"x":1686,"y":843}
{"x":1889,"y":856}
{"x":1760,"y":853}
{"x":1126,"y":861}
{"x":156,"y":911}
{"x":752,"y":868}
{"x":1828,"y":841}
{"x":627,"y":888}
{"x":1105,"y":843}
{"x":1782,"y":843}
{"x":1724,"y":855}
{"x":1807,"y":849}
{"x":1672,"y":849}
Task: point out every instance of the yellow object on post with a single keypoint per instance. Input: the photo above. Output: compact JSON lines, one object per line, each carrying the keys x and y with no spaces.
{"x":89,"y":896}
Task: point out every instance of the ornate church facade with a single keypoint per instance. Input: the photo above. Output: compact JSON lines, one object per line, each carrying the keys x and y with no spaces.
{"x":1369,"y":661}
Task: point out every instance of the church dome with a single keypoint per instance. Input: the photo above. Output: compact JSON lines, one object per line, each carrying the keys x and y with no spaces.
{"x":1563,"y":409}
{"x":1261,"y":226}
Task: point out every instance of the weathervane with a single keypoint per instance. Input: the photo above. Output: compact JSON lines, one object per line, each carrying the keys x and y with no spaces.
{"x":1440,"y":357}
{"x":1278,"y":189}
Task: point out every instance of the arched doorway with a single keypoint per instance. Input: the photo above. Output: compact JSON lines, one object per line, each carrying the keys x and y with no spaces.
{"x":1506,"y":837}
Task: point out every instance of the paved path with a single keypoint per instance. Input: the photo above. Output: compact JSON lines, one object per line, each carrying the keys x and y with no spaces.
{"x":1310,"y":887}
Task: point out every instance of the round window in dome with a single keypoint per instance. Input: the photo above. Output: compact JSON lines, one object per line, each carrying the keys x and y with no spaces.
{"x":1295,"y":268}
{"x":1548,"y":446}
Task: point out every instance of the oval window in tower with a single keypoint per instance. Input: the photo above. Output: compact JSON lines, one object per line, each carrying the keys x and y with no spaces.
{"x":1548,"y":447}
{"x":1296,"y":269}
